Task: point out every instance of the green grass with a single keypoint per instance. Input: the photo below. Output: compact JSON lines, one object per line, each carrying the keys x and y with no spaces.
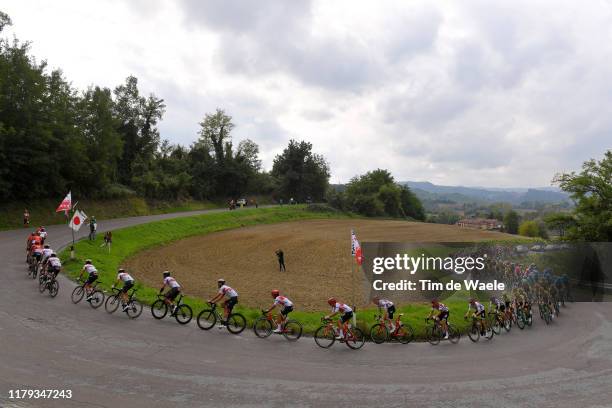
{"x":131,"y":240}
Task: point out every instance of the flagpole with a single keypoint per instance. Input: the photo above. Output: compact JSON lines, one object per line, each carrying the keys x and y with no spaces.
{"x":72,"y":229}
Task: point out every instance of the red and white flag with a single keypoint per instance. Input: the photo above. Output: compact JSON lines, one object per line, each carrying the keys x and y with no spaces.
{"x":356,"y":248}
{"x":77,"y":220}
{"x":66,"y":203}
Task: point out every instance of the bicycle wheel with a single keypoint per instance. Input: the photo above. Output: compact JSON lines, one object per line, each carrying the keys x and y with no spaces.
{"x":495,"y":326}
{"x":355,"y":339}
{"x":262,"y":327}
{"x":379,"y":333}
{"x":111,"y":304}
{"x":183,"y":314}
{"x":97,"y":298}
{"x":434,"y":335}
{"x":507,"y":325}
{"x":325,"y":336}
{"x":42,"y":285}
{"x":77,"y":294}
{"x":292,"y":330}
{"x":35,"y":270}
{"x":405,"y":334}
{"x":134,"y":309}
{"x":206,"y":319}
{"x":53,"y":288}
{"x":236,"y":323}
{"x":453,"y":335}
{"x":520,"y":319}
{"x":159,"y":309}
{"x":474,"y":333}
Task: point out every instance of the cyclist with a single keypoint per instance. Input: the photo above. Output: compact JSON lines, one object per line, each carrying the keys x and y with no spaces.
{"x":442,"y":315}
{"x":500,"y":307}
{"x":347,"y":314}
{"x":42,"y":233}
{"x":389,"y":308}
{"x":228,"y":305}
{"x":287,"y":307}
{"x":54,"y":265}
{"x":36,"y":251}
{"x":479,"y":313}
{"x":46,"y":253}
{"x":128,"y":283}
{"x":92,"y":276}
{"x":173,"y":292}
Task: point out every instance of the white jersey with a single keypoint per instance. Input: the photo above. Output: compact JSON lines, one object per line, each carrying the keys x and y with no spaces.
{"x":478,"y":306}
{"x":47,"y":253}
{"x":282,"y":300}
{"x":170,"y":281}
{"x":42,"y":234}
{"x":55,"y":262}
{"x":341,"y":307}
{"x":90,"y":269}
{"x":227,"y":291}
{"x":125,"y":277}
{"x":385,"y":303}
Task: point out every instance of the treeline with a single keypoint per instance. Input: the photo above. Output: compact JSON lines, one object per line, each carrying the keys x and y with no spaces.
{"x":103,"y":143}
{"x":376,"y":194}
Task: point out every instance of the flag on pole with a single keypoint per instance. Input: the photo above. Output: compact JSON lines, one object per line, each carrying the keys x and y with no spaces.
{"x":356,"y":248}
{"x":77,"y":220}
{"x":66,"y":203}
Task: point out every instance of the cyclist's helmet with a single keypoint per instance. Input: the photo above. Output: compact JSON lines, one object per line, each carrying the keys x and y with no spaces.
{"x":472,"y":301}
{"x":375,"y":300}
{"x":435,"y":302}
{"x":220,"y":282}
{"x":47,"y":246}
{"x":493,"y":298}
{"x":275,"y":293}
{"x":42,"y":228}
{"x":121,"y":270}
{"x":53,"y":254}
{"x":331,"y":301}
{"x":88,"y":262}
{"x":166,"y":274}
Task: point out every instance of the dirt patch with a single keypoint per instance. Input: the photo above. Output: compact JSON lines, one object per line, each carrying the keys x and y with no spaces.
{"x":317,"y":255}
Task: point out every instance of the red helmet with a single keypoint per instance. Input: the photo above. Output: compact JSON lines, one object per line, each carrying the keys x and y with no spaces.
{"x":275,"y":292}
{"x":331,"y":301}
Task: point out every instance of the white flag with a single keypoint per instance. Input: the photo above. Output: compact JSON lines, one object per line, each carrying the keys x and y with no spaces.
{"x":77,"y":220}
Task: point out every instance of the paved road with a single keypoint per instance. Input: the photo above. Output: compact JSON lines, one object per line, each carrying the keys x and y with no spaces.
{"x":111,"y":361}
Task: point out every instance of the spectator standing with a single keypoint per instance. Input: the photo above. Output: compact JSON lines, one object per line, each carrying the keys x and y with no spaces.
{"x":108,"y":240}
{"x":281,"y":260}
{"x":93,"y":226}
{"x":26,"y":217}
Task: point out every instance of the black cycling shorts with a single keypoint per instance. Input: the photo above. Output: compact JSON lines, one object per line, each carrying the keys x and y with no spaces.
{"x":53,"y":269}
{"x":390,"y":311}
{"x":286,"y":310}
{"x":346,"y":317}
{"x":231,"y":302}
{"x":443,"y":316}
{"x":91,"y":279}
{"x":482,"y":313}
{"x":127,"y":286}
{"x":173,"y":293}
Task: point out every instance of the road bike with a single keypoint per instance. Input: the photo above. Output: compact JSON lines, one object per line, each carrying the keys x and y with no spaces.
{"x":479,"y":328}
{"x":180,"y":311}
{"x":325,"y":335}
{"x":403,"y":333}
{"x":133,"y":309}
{"x":434,"y":332}
{"x":264,"y":324}
{"x":497,"y":320}
{"x":207,"y":318}
{"x":47,"y":281}
{"x":95,"y":297}
{"x":546,"y":313}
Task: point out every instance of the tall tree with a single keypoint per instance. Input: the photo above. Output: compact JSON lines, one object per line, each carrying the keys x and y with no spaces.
{"x":591,"y":190}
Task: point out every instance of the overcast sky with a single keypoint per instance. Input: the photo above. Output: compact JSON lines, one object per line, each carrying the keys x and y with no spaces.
{"x":477,"y":93}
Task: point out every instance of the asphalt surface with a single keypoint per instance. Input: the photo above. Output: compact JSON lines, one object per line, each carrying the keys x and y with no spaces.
{"x":112,"y":361}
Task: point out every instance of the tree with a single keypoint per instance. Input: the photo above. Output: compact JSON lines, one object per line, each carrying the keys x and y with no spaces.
{"x":5,"y":20}
{"x":511,"y":222}
{"x":529,"y":229}
{"x":559,"y":222}
{"x":591,"y":190}
{"x":300,"y":173}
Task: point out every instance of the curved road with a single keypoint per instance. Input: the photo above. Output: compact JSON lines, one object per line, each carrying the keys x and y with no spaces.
{"x":111,"y":361}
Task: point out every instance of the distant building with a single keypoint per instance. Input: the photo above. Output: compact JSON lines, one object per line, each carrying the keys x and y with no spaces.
{"x":480,"y":223}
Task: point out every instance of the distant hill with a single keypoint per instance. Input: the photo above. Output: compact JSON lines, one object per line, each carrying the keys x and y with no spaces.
{"x":458,"y":194}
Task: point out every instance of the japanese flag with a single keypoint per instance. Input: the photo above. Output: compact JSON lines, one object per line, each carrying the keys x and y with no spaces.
{"x":77,"y":220}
